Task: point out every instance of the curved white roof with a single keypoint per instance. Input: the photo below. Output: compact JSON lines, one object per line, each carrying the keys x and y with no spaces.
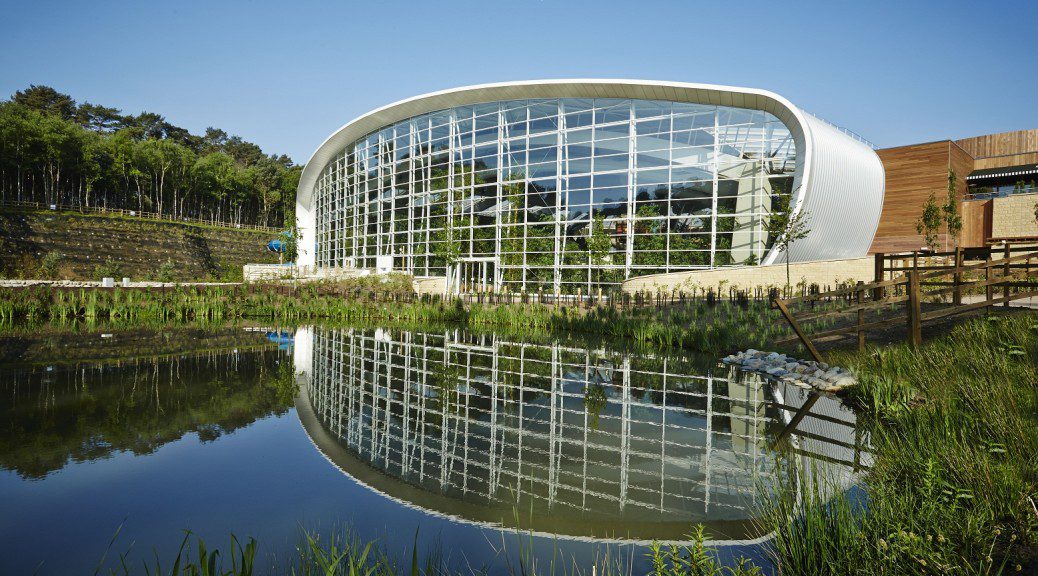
{"x":839,"y":180}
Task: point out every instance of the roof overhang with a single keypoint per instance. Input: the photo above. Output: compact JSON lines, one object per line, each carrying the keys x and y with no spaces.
{"x":1008,"y":171}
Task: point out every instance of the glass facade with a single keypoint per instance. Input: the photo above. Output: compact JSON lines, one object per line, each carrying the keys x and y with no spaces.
{"x":556,"y":194}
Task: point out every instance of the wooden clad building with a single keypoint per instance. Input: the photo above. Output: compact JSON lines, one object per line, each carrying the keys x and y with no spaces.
{"x":916,"y":171}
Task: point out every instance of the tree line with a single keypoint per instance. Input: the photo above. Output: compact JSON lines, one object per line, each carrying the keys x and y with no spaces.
{"x":55,"y":151}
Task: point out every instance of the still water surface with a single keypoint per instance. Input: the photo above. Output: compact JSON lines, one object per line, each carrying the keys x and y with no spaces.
{"x":489,"y":447}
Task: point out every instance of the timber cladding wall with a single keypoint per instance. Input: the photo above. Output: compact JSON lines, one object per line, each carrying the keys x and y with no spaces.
{"x":1002,"y":144}
{"x":1002,"y":150}
{"x":913,"y":173}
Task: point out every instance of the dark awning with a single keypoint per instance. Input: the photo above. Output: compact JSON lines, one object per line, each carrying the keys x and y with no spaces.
{"x":1023,"y":170}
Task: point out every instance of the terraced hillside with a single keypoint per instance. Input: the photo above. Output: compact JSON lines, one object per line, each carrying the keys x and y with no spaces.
{"x":80,"y":242}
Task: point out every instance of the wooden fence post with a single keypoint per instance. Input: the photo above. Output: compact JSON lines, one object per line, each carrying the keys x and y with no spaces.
{"x":1005,"y":277}
{"x":987,"y":282}
{"x":880,"y":269}
{"x":859,"y":296}
{"x":957,"y":298}
{"x":915,"y":333}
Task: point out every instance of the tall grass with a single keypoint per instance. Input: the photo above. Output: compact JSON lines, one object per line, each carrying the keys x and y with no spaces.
{"x":696,"y":325}
{"x":340,"y":553}
{"x":953,"y":486}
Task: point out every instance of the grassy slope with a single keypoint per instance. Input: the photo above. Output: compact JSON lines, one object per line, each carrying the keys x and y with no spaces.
{"x":138,"y":246}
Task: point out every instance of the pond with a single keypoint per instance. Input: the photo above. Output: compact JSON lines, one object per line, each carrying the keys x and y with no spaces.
{"x":488,"y":448}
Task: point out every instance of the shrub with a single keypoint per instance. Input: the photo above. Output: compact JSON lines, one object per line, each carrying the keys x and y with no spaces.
{"x":109,"y":269}
{"x":50,"y":266}
{"x":166,"y":272}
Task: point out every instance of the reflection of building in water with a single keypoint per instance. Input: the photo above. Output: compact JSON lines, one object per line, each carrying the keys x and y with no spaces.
{"x":583,"y":442}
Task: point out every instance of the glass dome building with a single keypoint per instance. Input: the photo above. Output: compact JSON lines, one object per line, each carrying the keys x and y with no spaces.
{"x":560,"y":185}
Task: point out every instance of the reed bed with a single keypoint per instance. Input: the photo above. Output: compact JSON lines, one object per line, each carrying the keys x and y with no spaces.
{"x":698,"y":325}
{"x":954,"y":483}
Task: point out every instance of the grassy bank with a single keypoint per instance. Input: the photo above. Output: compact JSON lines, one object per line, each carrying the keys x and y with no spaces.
{"x":954,"y":485}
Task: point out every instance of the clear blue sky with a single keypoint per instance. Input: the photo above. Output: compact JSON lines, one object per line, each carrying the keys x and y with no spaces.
{"x":286,"y":74}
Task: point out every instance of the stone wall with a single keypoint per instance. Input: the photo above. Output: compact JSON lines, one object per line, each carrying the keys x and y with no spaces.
{"x":1013,"y":216}
{"x":257,"y":272}
{"x":435,"y":285}
{"x":823,"y":272}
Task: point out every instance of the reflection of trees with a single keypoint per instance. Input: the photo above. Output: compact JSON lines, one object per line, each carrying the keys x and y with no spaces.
{"x":594,"y":400}
{"x":80,"y":414}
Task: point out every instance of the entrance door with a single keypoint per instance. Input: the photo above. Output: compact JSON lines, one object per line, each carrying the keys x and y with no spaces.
{"x":474,"y":276}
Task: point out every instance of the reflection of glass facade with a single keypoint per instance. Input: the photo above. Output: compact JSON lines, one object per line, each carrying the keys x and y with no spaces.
{"x":556,"y":194}
{"x":591,"y":442}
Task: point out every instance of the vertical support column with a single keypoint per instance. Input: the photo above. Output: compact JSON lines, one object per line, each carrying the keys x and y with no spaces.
{"x":631,"y":190}
{"x":452,"y":131}
{"x":562,"y":167}
{"x":715,"y":166}
{"x":412,"y":142}
{"x":526,"y":199}
{"x":502,"y":157}
{"x":560,"y":243}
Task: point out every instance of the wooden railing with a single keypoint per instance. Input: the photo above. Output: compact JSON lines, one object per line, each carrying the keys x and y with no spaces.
{"x":136,"y":214}
{"x":911,"y":289}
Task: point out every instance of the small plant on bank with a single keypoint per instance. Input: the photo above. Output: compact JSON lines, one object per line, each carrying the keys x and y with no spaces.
{"x":786,"y":227}
{"x":108,"y":269}
{"x":167,"y":271}
{"x":695,"y":559}
{"x":50,"y":266}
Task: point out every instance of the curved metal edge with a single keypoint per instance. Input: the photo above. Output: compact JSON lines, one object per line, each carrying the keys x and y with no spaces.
{"x":842,"y":196}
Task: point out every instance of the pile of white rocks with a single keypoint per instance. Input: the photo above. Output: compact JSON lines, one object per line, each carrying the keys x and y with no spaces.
{"x":802,"y":373}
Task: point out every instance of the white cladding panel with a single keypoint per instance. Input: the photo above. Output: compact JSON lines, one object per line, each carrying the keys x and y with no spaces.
{"x":842,"y":195}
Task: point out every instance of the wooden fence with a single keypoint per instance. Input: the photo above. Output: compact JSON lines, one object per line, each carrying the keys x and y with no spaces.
{"x":136,"y":214}
{"x":942,"y":281}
